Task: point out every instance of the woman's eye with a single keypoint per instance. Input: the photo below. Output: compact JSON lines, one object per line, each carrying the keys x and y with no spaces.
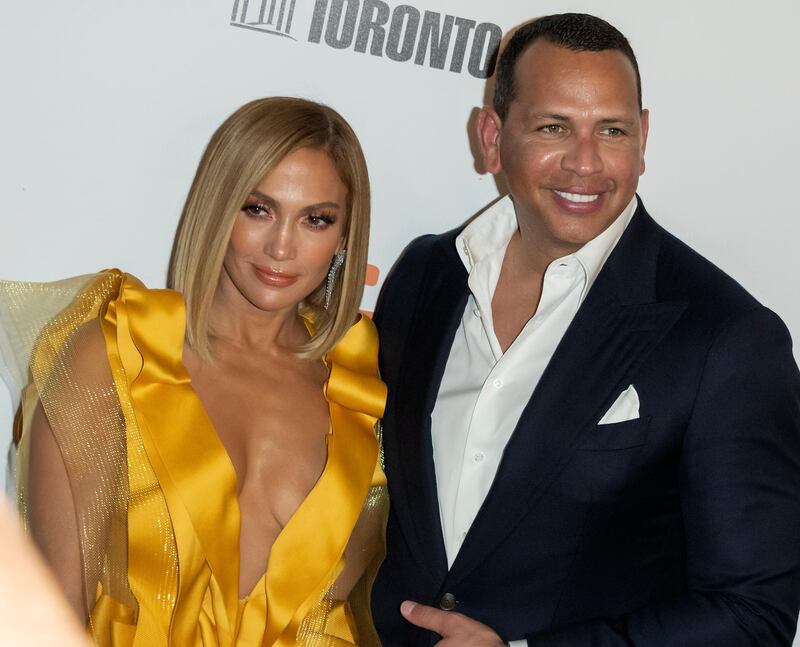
{"x":319,"y":221}
{"x":256,"y":210}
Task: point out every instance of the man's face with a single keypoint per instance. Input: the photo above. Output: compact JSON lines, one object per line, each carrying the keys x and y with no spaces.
{"x":572,"y":144}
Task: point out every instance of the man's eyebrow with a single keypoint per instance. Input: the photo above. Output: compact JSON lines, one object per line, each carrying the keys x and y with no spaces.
{"x":625,"y":121}
{"x":554,"y":116}
{"x":548,"y":115}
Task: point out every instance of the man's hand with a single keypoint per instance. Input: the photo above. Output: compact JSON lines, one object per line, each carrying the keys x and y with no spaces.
{"x":456,"y":629}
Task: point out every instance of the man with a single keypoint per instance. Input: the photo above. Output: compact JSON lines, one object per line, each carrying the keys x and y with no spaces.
{"x":593,"y":434}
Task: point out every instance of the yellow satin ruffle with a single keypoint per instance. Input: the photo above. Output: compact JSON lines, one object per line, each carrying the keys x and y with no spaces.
{"x":178,"y":471}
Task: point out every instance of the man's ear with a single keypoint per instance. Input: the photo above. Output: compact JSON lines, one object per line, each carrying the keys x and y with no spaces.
{"x":488,"y":129}
{"x":645,"y":121}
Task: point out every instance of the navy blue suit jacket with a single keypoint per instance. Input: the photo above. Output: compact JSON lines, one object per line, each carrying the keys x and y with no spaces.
{"x":679,"y":528}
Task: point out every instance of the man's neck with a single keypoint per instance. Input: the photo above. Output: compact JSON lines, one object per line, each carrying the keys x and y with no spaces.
{"x":519,"y":288}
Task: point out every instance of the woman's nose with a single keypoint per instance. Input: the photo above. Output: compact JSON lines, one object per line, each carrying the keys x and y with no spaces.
{"x":281,"y":243}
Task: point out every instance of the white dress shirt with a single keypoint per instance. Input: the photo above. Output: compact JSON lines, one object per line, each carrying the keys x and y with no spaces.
{"x":484,"y":390}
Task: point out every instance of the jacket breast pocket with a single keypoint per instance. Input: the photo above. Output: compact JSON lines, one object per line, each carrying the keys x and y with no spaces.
{"x":616,"y":436}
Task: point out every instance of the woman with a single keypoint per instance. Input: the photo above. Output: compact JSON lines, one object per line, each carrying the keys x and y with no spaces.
{"x":200,"y":465}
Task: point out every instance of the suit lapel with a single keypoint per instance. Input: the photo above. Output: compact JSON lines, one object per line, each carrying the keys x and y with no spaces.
{"x":618,"y":324}
{"x":437,"y":317}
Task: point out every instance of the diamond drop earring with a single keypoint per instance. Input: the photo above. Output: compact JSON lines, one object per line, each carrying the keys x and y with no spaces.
{"x":338,"y":261}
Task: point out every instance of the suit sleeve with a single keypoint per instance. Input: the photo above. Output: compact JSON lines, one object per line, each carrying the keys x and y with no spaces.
{"x":396,"y":302}
{"x":740,"y":500}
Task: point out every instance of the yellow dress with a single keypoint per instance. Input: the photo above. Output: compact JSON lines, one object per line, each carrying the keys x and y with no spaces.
{"x":155,"y":491}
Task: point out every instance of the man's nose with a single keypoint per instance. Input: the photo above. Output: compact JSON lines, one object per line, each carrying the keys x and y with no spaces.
{"x":582,"y":156}
{"x":281,"y":245}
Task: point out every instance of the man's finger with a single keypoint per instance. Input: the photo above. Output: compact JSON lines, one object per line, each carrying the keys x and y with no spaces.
{"x":426,"y":617}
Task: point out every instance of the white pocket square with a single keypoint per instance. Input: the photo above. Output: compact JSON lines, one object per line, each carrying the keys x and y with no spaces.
{"x":625,"y":407}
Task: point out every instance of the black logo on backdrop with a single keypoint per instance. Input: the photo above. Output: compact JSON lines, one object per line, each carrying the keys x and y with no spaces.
{"x":268,"y":16}
{"x":401,"y":33}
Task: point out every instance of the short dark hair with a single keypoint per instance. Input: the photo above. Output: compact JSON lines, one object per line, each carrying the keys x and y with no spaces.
{"x":578,"y":32}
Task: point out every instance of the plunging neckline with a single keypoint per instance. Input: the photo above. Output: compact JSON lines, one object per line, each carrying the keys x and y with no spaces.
{"x":145,"y":333}
{"x":232,"y":474}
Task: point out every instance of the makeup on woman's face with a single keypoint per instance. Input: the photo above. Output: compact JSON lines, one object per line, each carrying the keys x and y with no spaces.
{"x":287,"y":232}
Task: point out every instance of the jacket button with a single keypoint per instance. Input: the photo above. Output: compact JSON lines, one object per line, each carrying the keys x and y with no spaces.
{"x":448,"y":602}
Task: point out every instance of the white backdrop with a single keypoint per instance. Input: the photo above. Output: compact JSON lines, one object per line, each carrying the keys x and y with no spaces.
{"x":106,"y":108}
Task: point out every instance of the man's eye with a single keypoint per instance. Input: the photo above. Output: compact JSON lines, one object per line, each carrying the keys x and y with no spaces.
{"x":552,"y":129}
{"x":614,"y":132}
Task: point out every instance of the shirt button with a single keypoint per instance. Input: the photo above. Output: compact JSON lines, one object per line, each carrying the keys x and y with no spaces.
{"x":498,"y":383}
{"x":476,"y":312}
{"x":448,"y":602}
{"x":478,"y":457}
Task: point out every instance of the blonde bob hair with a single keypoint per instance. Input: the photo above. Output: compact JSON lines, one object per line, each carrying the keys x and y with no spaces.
{"x":243,"y":150}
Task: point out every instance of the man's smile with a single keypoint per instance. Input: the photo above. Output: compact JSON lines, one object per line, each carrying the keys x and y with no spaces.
{"x":577,"y":197}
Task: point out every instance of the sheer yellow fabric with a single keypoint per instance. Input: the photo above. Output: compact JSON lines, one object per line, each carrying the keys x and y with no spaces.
{"x":155,"y":492}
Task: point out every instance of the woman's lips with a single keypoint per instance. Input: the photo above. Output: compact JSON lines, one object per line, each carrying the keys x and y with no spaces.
{"x":273,"y":277}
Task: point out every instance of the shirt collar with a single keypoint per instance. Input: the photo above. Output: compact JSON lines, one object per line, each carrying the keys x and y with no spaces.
{"x":594,"y":254}
{"x":490,"y":232}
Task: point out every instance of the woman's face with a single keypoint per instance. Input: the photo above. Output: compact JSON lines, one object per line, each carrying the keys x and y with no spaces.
{"x":287,"y":231}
